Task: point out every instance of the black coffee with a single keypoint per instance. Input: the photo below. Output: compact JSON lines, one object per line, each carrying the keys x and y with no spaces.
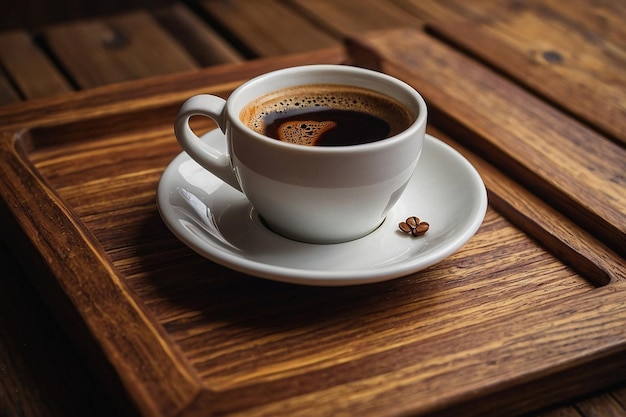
{"x":327,"y":115}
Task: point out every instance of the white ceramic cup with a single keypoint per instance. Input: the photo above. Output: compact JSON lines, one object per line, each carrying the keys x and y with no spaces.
{"x":313,"y":194}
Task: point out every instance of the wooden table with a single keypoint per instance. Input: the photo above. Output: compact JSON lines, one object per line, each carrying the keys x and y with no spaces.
{"x":119,"y":317}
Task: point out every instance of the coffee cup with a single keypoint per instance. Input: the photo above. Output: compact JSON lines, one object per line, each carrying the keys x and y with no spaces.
{"x":322,"y":152}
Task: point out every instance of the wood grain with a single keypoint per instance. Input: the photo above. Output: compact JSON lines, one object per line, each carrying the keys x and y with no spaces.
{"x":602,"y":405}
{"x":7,"y":92}
{"x":172,"y":90}
{"x":202,"y":41}
{"x":573,"y":56}
{"x":578,"y":171}
{"x":32,"y":359}
{"x":563,"y":238}
{"x":268,"y":27}
{"x":338,"y":18}
{"x":28,"y":66}
{"x":35,"y":14}
{"x":118,"y":48}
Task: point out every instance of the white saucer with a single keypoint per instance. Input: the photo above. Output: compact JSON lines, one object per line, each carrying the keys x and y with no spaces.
{"x":219,"y":223}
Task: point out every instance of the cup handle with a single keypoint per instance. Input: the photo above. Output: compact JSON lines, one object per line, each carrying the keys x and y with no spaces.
{"x":215,"y":161}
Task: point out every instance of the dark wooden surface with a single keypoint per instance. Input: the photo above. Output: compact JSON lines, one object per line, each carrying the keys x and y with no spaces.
{"x":566,"y":61}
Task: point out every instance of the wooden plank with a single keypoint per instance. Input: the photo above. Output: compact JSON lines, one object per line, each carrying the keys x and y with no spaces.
{"x":29,"y":67}
{"x":604,"y":405}
{"x":200,"y":40}
{"x":620,"y":395}
{"x":268,"y":27}
{"x":574,"y":56}
{"x":8,"y":94}
{"x":580,"y":172}
{"x":34,"y":351}
{"x":344,"y":18}
{"x":37,"y":13}
{"x":118,"y":48}
{"x":163,"y":89}
{"x":567,"y":411}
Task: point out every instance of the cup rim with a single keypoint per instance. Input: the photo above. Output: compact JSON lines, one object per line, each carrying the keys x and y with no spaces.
{"x":414,"y":127}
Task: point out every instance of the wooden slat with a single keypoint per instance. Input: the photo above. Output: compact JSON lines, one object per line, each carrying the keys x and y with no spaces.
{"x":620,"y":395}
{"x":8,"y":94}
{"x":268,"y":27}
{"x":162,"y":89}
{"x":119,"y":48}
{"x":29,"y":68}
{"x":34,"y":351}
{"x":344,"y":18}
{"x":574,"y":56}
{"x":605,"y":405}
{"x":577,"y":170}
{"x":567,"y":411}
{"x":200,"y":40}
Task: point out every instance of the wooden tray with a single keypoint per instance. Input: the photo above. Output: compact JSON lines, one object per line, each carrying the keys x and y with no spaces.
{"x":530,"y":311}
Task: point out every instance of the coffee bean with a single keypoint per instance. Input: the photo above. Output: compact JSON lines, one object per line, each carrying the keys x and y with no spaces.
{"x":421,"y":228}
{"x":414,"y":226}
{"x":412,"y":221}
{"x":405,"y":227}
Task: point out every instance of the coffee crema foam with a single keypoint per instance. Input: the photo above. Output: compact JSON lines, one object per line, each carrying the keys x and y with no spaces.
{"x":292,"y":102}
